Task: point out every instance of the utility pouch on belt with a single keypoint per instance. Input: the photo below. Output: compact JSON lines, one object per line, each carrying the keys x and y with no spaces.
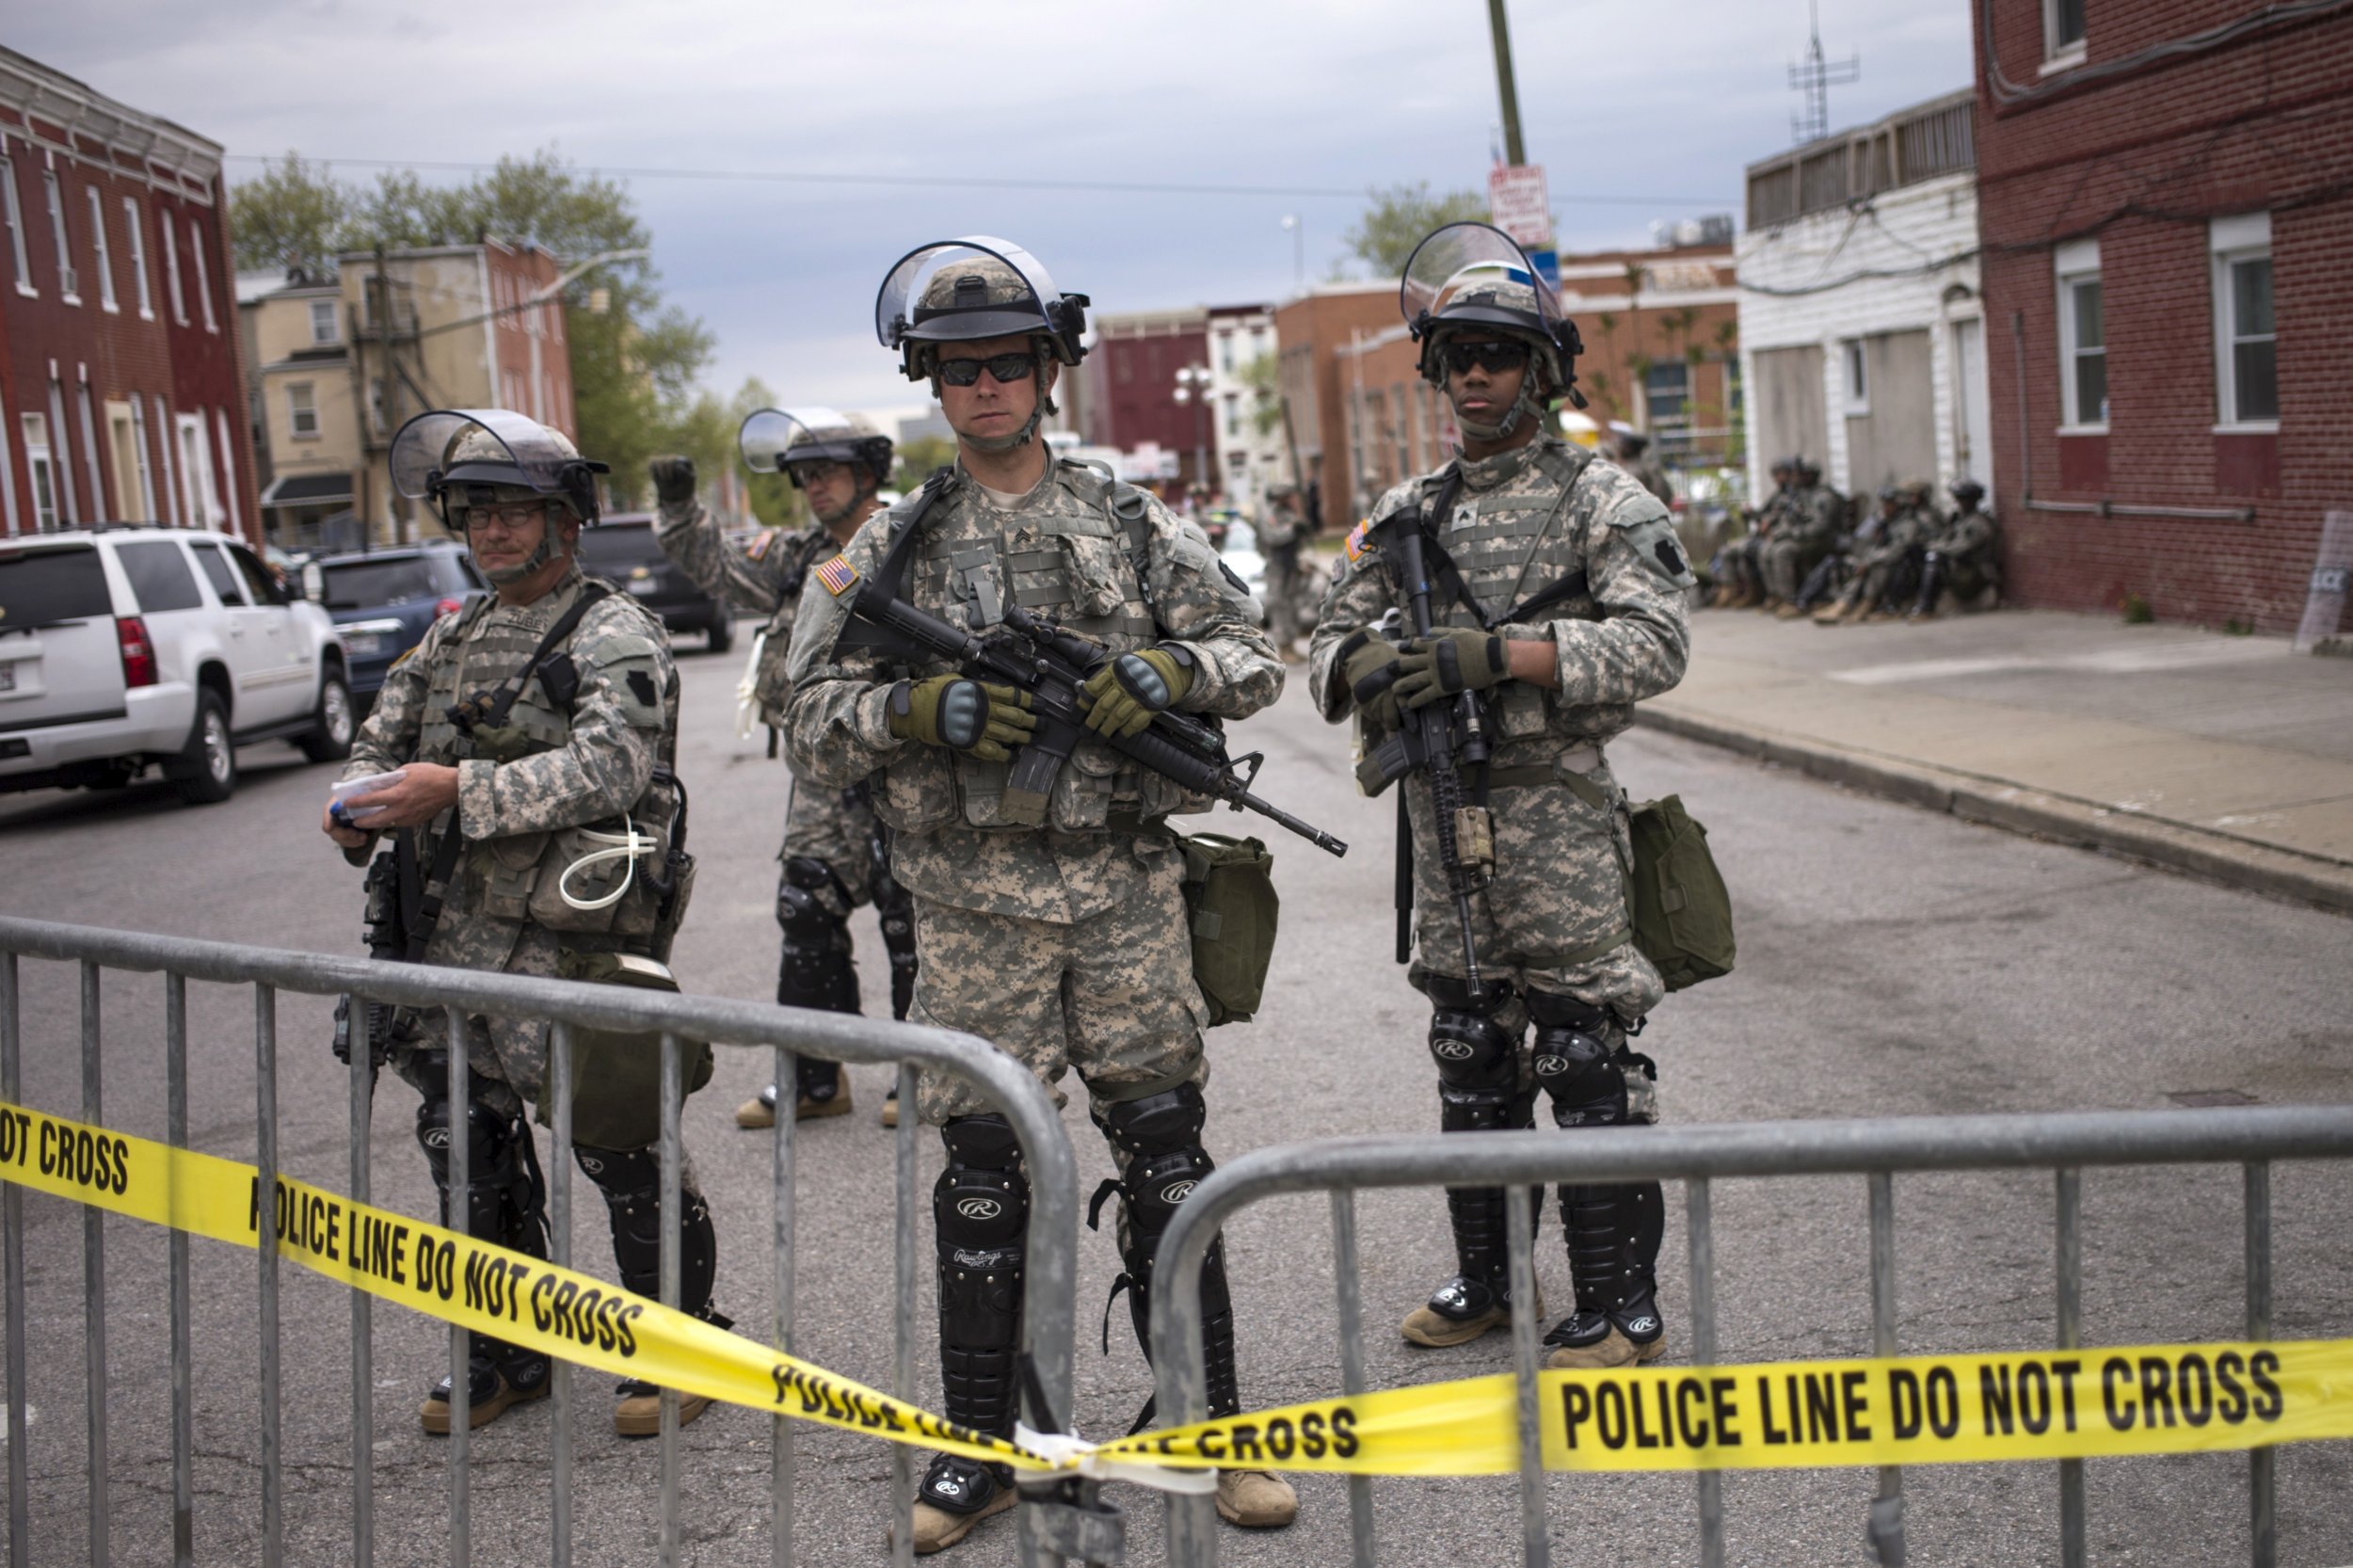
{"x":616,"y":1074}
{"x":1231,"y":901}
{"x":1682,"y":914}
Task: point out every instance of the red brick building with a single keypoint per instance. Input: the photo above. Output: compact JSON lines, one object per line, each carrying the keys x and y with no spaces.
{"x":2166,"y":192}
{"x":1131,"y":395}
{"x":120,"y":397}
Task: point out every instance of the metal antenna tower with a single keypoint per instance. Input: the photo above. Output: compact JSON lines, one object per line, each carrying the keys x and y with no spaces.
{"x":1814,"y":78}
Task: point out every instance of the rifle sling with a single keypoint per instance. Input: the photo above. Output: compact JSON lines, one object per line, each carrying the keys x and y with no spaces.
{"x":502,"y":703}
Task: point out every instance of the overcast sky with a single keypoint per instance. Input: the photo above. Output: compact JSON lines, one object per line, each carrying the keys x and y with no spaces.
{"x":1653,"y":107}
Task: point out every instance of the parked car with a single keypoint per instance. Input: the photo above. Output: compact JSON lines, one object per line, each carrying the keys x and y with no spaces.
{"x":622,"y":550}
{"x":127,"y":647}
{"x":384,"y":601}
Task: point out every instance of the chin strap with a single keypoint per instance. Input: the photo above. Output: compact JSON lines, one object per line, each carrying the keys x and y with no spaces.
{"x":1524,"y":404}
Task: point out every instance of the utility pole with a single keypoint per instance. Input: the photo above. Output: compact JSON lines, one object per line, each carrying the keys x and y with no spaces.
{"x":1814,"y":78}
{"x":1514,"y":152}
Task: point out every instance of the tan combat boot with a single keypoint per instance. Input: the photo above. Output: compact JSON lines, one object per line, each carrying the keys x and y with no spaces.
{"x":1788,"y":610}
{"x":1253,"y":1499}
{"x":1427,"y":1325}
{"x":1772,"y":604}
{"x":759,"y":1111}
{"x":1835,"y":612}
{"x":952,"y":1478}
{"x":639,"y":1412}
{"x":810,"y":1109}
{"x":1613,"y":1350}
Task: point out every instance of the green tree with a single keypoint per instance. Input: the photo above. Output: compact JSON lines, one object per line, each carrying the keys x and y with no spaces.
{"x":292,"y":215}
{"x":1396,"y":218}
{"x":916,"y":458}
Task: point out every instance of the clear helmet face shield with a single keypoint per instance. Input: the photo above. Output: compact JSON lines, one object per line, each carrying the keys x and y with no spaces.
{"x":1475,"y":273}
{"x":488,"y":447}
{"x":773,"y":437}
{"x":961,"y":290}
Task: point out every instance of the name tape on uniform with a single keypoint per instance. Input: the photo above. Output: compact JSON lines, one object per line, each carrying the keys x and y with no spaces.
{"x":1913,"y":1410}
{"x":458,"y":1279}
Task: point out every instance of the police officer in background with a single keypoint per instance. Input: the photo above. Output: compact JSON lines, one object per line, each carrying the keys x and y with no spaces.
{"x":530,"y":730}
{"x":1560,"y":606}
{"x":1052,"y":924}
{"x":836,"y":854}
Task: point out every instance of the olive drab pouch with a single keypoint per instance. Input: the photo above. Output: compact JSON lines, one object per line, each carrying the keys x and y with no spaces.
{"x":616,"y":1074}
{"x":1231,"y":903}
{"x":1682,"y":914}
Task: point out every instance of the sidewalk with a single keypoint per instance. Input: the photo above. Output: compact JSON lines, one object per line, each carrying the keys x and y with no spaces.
{"x":2228,"y":757}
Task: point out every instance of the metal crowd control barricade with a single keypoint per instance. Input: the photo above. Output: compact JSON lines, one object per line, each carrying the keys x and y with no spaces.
{"x":1875,"y":1149}
{"x":456,"y":994}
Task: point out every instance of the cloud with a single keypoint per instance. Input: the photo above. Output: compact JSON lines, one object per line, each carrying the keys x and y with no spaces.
{"x":1659,"y":104}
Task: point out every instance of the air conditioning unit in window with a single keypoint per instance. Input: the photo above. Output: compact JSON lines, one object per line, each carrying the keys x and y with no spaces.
{"x":69,"y":279}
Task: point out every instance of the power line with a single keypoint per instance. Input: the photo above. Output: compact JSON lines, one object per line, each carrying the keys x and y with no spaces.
{"x":811,"y":177}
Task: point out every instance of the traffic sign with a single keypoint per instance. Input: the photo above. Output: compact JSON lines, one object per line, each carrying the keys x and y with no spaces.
{"x":1518,"y":203}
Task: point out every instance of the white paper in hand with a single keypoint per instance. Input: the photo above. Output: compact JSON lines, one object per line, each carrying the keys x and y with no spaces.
{"x":369,"y":785}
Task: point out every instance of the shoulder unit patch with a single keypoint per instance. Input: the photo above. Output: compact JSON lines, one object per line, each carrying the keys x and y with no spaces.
{"x":838,"y":575}
{"x":1359,"y":540}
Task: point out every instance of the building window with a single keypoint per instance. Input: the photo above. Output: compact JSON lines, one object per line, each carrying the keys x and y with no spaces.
{"x":69,"y":283}
{"x":203,"y":279}
{"x":1667,"y":399}
{"x":16,"y":229}
{"x":1225,"y":353}
{"x":147,"y":472}
{"x":376,"y":404}
{"x":163,"y":445}
{"x":2082,"y":340}
{"x":302,"y":409}
{"x":322,"y":327}
{"x":195,"y":473}
{"x":2062,"y":33}
{"x":2246,"y":371}
{"x":99,"y":254}
{"x":42,"y":465}
{"x":172,"y":269}
{"x":139,"y":254}
{"x":228,"y":467}
{"x":1858,"y":376}
{"x":1233,"y":416}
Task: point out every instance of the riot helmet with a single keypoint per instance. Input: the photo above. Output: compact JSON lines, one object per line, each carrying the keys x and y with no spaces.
{"x":454,"y":459}
{"x":963,"y":290}
{"x":1807,"y":470}
{"x":777,"y":438}
{"x":1473,"y":276}
{"x":1969,"y":493}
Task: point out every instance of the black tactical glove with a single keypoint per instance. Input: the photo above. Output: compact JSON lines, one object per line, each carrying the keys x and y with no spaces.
{"x":1369,"y":665}
{"x":673,"y":480}
{"x":1127,"y":690}
{"x":984,"y":719}
{"x":1456,"y":659}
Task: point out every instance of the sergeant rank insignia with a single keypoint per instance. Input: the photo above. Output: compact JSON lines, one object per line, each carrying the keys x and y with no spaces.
{"x":838,"y":575}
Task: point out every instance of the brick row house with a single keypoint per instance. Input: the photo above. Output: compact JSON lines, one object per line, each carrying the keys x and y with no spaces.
{"x":120,"y":397}
{"x":2166,"y":202}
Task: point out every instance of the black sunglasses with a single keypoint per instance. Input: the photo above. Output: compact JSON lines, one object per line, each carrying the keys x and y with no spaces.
{"x":1489,"y":356}
{"x":1003,"y":368}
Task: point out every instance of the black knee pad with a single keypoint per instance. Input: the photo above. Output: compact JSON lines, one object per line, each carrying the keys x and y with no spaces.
{"x":1162,"y":1136}
{"x":816,"y":970}
{"x":981,"y":1213}
{"x":1473,"y":1051}
{"x":896,"y":907}
{"x":630,"y":1180}
{"x":1575,"y":1063}
{"x":506,"y":1198}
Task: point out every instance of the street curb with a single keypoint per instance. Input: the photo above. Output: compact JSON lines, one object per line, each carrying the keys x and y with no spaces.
{"x":2219,"y":857}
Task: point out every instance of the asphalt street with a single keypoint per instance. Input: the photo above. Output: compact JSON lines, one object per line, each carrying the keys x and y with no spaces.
{"x":1891,"y":962}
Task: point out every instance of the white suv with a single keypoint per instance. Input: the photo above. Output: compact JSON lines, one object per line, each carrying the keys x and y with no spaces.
{"x":123,"y":648}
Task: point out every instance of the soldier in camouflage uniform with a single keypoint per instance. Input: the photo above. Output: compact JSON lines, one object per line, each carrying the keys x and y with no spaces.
{"x":1886,"y":566}
{"x":1808,"y":531}
{"x":1281,"y":532}
{"x":1965,"y":557}
{"x":1521,"y":513}
{"x":836,"y":854}
{"x":597,"y":756}
{"x":1054,"y":928}
{"x":1632,"y":445}
{"x":1738,"y":570}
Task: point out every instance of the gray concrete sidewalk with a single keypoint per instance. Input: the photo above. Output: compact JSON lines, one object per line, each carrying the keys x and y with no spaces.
{"x":2227,"y":757}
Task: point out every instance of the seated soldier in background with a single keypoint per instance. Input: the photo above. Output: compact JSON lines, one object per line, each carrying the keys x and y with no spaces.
{"x":1965,"y":558}
{"x":1886,"y":569}
{"x":1735,"y":569}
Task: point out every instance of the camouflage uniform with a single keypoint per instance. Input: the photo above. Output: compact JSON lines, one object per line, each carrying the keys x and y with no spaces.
{"x":1551,"y":920}
{"x":1886,"y":570}
{"x":1967,"y":553}
{"x":1280,"y":535}
{"x":1807,"y":530}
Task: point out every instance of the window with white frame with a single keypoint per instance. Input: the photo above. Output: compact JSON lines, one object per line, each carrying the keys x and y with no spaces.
{"x":2062,"y":33}
{"x":99,"y":252}
{"x":195,"y":473}
{"x":40,"y":464}
{"x":2246,"y":350}
{"x":203,"y":278}
{"x":1855,"y":367}
{"x":324,"y":328}
{"x":137,"y":237}
{"x":1667,"y":403}
{"x":228,"y":468}
{"x":171,"y":268}
{"x":2082,"y":340}
{"x":16,"y":228}
{"x":69,"y":282}
{"x":302,"y":409}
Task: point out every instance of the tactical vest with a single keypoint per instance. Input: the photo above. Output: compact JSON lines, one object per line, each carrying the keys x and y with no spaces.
{"x":521,"y":876}
{"x":772,"y":678}
{"x":1077,"y":557}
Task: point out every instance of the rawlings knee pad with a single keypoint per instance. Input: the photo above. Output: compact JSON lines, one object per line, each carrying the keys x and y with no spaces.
{"x":1472,"y":1050}
{"x":816,"y":970}
{"x":630,"y":1180}
{"x":1576,"y":1063}
{"x":506,"y":1198}
{"x":980,"y":1211}
{"x":1160,"y":1134}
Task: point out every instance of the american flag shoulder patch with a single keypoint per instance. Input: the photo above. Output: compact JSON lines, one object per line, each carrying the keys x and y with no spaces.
{"x":1359,"y":540}
{"x":838,"y":575}
{"x":758,"y":549}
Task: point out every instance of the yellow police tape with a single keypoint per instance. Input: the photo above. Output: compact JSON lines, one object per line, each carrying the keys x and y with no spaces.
{"x":1913,"y":1410}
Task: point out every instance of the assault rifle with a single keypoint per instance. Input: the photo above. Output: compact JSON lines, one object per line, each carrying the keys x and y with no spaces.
{"x":392,"y":892}
{"x":1051,"y":665}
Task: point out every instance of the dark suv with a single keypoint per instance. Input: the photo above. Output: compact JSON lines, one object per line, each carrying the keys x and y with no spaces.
{"x":384,"y":601}
{"x":622,"y":550}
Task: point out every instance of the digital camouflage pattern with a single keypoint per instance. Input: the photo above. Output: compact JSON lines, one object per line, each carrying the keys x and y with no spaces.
{"x":557,"y":769}
{"x":1524,"y":520}
{"x":763,"y":577}
{"x":1804,"y":530}
{"x":1881,"y":567}
{"x":1970,"y":546}
{"x":1060,"y":553}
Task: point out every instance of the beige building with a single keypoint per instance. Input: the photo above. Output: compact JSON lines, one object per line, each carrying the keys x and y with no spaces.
{"x":339,"y":363}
